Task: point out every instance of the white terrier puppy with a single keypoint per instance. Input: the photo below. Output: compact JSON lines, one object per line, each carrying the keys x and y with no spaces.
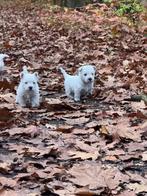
{"x":81,"y":84}
{"x":2,"y":56}
{"x":28,"y":89}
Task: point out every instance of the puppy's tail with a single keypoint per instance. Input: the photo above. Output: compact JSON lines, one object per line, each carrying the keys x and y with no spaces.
{"x":2,"y":56}
{"x":63,"y":72}
{"x":24,"y":70}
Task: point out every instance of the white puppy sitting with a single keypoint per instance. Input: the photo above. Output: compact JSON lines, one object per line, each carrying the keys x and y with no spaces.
{"x":2,"y":56}
{"x":28,"y":89}
{"x":81,"y":84}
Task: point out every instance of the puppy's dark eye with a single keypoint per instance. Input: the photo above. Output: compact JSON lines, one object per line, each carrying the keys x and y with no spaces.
{"x":92,"y":74}
{"x":26,"y":82}
{"x":33,"y":82}
{"x":85,"y":74}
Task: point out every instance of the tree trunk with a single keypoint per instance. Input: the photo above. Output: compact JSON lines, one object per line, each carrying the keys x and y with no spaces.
{"x":71,"y":3}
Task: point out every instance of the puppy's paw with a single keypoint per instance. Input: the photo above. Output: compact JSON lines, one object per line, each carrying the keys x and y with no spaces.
{"x":35,"y":105}
{"x":23,"y":105}
{"x":77,"y":99}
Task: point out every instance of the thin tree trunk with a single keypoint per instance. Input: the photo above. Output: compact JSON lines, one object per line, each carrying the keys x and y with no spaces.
{"x":71,"y":3}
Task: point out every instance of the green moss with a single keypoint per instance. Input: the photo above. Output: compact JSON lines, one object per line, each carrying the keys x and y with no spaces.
{"x":128,"y":7}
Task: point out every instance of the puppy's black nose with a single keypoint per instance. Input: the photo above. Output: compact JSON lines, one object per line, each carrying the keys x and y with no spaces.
{"x":30,"y":88}
{"x":90,"y":79}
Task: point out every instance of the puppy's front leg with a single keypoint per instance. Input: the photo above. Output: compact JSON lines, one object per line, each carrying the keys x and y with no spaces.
{"x":90,"y":89}
{"x":35,"y":102}
{"x":68,"y":92}
{"x":22,"y":103}
{"x":77,"y":95}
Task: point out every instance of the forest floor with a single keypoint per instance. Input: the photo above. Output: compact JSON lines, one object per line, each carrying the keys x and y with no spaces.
{"x":94,"y":147}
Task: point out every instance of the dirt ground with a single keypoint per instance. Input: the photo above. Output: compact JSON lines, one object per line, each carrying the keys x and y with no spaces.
{"x":94,"y":147}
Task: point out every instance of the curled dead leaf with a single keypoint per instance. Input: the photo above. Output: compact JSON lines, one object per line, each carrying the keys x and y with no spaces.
{"x":9,"y":98}
{"x":57,"y":104}
{"x":4,"y":181}
{"x":64,"y":128}
{"x":104,"y":130}
{"x":77,"y":121}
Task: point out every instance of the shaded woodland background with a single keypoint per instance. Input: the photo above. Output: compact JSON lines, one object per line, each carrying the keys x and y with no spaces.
{"x":97,"y":146}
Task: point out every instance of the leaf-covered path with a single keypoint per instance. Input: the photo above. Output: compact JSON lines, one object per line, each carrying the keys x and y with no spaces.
{"x":96,"y":147}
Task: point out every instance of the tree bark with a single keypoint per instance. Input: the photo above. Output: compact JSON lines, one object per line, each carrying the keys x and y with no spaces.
{"x":71,"y":3}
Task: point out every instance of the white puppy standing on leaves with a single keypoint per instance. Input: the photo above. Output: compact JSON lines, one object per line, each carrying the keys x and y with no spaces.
{"x":28,"y":89}
{"x":2,"y":65}
{"x":81,"y":84}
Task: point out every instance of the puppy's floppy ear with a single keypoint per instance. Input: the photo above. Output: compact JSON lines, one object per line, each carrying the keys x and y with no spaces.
{"x":36,"y":75}
{"x":2,"y":56}
{"x":6,"y":56}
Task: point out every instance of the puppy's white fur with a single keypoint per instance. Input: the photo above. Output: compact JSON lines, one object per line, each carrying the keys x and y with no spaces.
{"x":81,"y":84}
{"x":28,"y":89}
{"x":2,"y":56}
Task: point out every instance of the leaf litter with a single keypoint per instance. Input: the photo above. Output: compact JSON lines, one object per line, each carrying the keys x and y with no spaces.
{"x":96,"y":147}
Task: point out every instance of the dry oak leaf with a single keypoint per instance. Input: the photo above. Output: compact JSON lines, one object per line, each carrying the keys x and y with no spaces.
{"x":22,"y":177}
{"x":28,"y":176}
{"x":54,"y":170}
{"x":53,"y":101}
{"x":92,"y":124}
{"x":77,"y":121}
{"x":16,"y":148}
{"x":129,"y":157}
{"x":39,"y":152}
{"x":83,"y":155}
{"x":32,"y":194}
{"x":125,"y":63}
{"x":93,"y":175}
{"x":113,"y":177}
{"x":4,"y":168}
{"x":138,"y":188}
{"x":65,"y":189}
{"x":144,"y":126}
{"x":104,"y":130}
{"x":84,"y":191}
{"x":138,"y":106}
{"x":39,"y":174}
{"x":57,"y":104}
{"x":87,"y":148}
{"x":138,"y":178}
{"x":7,"y":106}
{"x":9,"y":97}
{"x":9,"y":44}
{"x":129,"y":133}
{"x":30,"y":130}
{"x":135,"y":146}
{"x":77,"y":131}
{"x":7,"y":84}
{"x":124,"y":131}
{"x":74,"y":114}
{"x":64,"y":128}
{"x":35,"y":65}
{"x":7,"y":182}
{"x":110,"y":158}
{"x":5,"y":113}
{"x":110,"y":81}
{"x":11,"y":192}
{"x":127,"y":193}
{"x":144,"y":156}
{"x":116,"y":152}
{"x":87,"y":174}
